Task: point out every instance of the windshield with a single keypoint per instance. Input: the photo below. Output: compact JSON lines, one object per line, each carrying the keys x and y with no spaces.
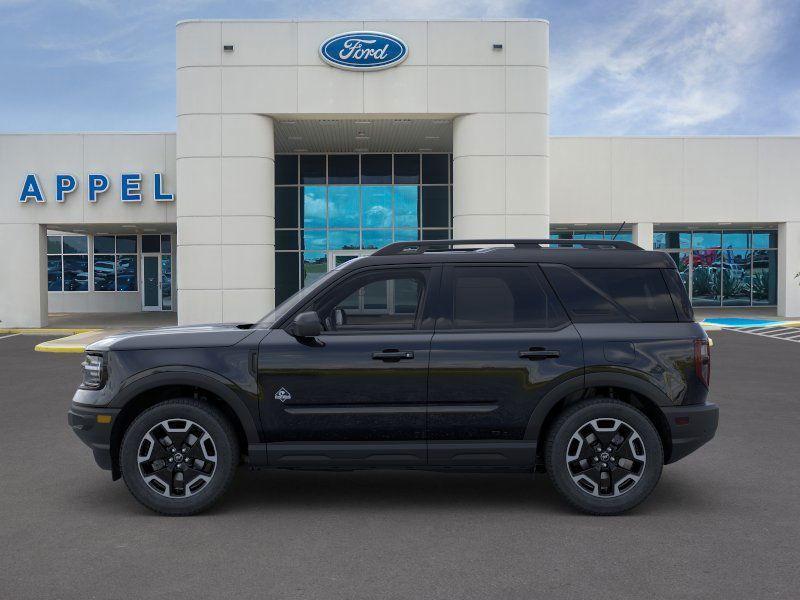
{"x":277,"y":313}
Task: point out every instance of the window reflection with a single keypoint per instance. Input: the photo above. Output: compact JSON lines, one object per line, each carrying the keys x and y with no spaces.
{"x":343,"y":206}
{"x":377,"y":206}
{"x":725,"y":267}
{"x":313,"y":207}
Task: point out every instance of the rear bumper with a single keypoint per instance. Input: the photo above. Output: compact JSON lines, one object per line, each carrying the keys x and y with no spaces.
{"x":97,"y":435}
{"x":690,"y":427}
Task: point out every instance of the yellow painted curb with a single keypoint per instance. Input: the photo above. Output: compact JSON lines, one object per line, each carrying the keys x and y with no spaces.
{"x":72,"y":343}
{"x":59,"y":349}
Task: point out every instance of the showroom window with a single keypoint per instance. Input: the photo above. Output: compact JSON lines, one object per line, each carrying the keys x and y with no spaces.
{"x":722,"y":267}
{"x":115,"y":263}
{"x":331,"y":208}
{"x":624,"y":235}
{"x":67,"y":263}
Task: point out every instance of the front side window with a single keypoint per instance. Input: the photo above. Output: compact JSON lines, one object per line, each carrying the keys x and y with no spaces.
{"x":382,"y":301}
{"x":498,"y":297}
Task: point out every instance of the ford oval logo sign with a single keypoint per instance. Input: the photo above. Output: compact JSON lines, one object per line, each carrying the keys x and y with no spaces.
{"x":363,"y":50}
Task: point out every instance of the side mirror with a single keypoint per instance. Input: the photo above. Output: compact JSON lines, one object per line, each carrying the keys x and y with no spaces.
{"x":306,"y":325}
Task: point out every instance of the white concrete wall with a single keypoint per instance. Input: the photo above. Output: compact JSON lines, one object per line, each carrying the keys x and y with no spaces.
{"x":226,"y":221}
{"x":23,"y":275}
{"x":92,"y":302}
{"x":275,"y":71}
{"x":23,"y":301}
{"x":675,"y":180}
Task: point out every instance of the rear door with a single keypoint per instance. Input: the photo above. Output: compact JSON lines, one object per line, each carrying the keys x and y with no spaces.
{"x":502,"y":342}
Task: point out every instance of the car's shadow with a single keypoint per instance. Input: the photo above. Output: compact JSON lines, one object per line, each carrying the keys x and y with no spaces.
{"x":402,"y":490}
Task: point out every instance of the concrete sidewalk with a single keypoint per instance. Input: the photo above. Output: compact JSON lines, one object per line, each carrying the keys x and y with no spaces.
{"x":81,"y":329}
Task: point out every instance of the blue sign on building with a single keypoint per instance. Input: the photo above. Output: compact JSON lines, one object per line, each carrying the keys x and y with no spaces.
{"x":363,"y":50}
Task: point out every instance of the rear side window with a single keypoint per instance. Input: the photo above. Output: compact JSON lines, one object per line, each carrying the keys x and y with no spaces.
{"x":585,"y":302}
{"x":498,"y":297}
{"x":680,"y":298}
{"x":641,"y":292}
{"x":613,"y":295}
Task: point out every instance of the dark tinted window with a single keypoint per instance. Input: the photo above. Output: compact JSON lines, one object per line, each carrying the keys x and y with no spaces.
{"x":150,"y":243}
{"x":126,"y":244}
{"x":493,"y":297}
{"x":104,"y":244}
{"x":434,"y":168}
{"x":642,"y":292}
{"x":312,"y":168}
{"x":286,"y":169}
{"x":584,"y":302}
{"x":406,"y":168}
{"x":376,"y":168}
{"x":343,"y":168}
{"x":434,"y":206}
{"x":378,"y":301}
{"x":680,"y":299}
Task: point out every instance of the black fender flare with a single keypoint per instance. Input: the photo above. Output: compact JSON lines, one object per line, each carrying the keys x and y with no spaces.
{"x":195,"y":377}
{"x":604,"y":379}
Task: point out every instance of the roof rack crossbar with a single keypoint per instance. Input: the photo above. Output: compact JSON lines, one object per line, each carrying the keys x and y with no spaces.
{"x":420,"y":246}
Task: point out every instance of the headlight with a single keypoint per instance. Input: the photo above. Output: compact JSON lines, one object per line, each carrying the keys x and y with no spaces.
{"x":93,"y":372}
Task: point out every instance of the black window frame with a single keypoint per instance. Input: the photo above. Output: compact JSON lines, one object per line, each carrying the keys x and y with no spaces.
{"x":445,"y":321}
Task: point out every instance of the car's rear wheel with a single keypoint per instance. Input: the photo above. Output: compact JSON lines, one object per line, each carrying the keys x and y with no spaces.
{"x":179,"y":457}
{"x":604,"y":456}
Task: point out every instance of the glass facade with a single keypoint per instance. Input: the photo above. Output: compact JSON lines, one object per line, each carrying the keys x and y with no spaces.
{"x":330,"y":208}
{"x":722,"y":267}
{"x":67,"y":263}
{"x":115,"y":263}
{"x":106,"y":263}
{"x":624,"y":235}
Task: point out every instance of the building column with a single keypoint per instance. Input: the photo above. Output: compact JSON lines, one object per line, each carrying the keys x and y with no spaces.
{"x":501,"y":176}
{"x":23,"y":271}
{"x":226,"y":222}
{"x":643,"y":235}
{"x":788,"y":267}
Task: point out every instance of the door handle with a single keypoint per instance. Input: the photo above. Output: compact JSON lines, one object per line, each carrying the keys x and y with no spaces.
{"x":393,"y":355}
{"x":539,"y":354}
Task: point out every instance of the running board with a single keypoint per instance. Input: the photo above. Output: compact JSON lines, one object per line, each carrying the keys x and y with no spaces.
{"x":412,"y":454}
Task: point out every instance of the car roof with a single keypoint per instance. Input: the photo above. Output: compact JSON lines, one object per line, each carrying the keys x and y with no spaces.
{"x":573,"y":253}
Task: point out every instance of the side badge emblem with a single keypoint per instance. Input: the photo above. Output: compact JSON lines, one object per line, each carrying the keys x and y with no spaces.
{"x":283,"y":395}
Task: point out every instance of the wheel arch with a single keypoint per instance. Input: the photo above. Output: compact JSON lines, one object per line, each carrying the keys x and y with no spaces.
{"x":629,"y":389}
{"x":151,"y":389}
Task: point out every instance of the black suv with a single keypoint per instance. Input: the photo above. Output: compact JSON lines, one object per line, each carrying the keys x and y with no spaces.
{"x":578,"y":358}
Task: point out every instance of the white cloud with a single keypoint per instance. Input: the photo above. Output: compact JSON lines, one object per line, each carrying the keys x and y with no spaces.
{"x":669,"y":67}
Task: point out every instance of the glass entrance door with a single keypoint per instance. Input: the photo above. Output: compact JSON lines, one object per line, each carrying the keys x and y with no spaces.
{"x":151,"y":282}
{"x":339,"y":258}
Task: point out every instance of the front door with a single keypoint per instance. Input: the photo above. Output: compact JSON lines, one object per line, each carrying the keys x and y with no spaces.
{"x":151,"y":282}
{"x":357,"y":394}
{"x":502,"y":343}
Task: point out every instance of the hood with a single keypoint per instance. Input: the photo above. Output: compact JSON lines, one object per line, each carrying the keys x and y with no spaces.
{"x":216,"y":335}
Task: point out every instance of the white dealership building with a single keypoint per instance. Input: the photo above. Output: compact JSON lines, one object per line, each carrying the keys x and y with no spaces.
{"x":303,"y":144}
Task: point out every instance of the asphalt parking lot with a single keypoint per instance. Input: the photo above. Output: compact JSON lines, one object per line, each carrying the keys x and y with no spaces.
{"x":723,"y":523}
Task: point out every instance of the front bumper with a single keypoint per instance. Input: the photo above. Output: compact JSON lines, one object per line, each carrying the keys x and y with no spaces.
{"x":690,"y":427}
{"x":90,"y":425}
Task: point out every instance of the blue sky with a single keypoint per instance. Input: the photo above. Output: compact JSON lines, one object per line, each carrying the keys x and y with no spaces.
{"x":617,"y":68}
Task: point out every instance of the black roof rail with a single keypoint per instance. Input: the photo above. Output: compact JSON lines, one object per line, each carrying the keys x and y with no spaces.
{"x":420,"y":246}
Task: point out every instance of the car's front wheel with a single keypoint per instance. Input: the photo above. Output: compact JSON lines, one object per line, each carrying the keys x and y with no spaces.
{"x":604,"y":456}
{"x":179,"y":457}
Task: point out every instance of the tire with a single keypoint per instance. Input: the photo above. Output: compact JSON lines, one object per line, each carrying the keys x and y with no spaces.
{"x":207,"y":452}
{"x":632,"y":469}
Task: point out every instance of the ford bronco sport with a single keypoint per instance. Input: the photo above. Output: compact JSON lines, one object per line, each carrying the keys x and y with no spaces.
{"x":578,"y":358}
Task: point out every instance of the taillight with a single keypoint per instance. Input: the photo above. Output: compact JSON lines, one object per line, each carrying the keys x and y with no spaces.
{"x":702,"y":360}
